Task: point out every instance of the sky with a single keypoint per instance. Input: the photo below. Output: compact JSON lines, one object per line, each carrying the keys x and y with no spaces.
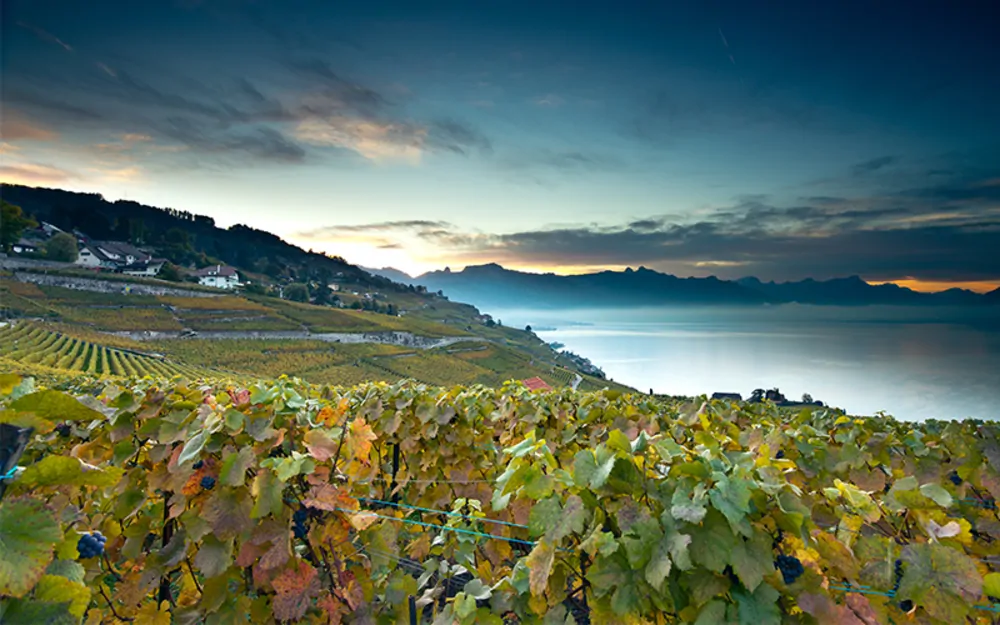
{"x":779,"y":139}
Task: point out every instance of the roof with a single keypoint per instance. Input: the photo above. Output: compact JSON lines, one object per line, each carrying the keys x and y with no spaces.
{"x":224,"y":271}
{"x":536,"y":384}
{"x":96,"y":251}
{"x":26,"y":243}
{"x":121,"y":248}
{"x":143,"y":265}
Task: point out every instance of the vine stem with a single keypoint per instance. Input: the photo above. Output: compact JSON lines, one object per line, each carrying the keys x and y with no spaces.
{"x":191,"y":570}
{"x":112,"y":606}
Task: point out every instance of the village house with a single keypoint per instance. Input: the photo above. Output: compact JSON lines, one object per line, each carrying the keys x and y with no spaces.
{"x":117,"y":256}
{"x":219,"y":276}
{"x":24,"y":246}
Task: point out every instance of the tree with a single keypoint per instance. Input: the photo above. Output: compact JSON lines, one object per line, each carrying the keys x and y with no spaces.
{"x":62,"y":248}
{"x":170,"y":272}
{"x":757,"y":395}
{"x":527,"y":329}
{"x":13,"y":223}
{"x":297,"y":292}
{"x":323,"y":294}
{"x":807,"y":398}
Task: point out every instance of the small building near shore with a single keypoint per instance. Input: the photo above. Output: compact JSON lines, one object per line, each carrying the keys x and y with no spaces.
{"x":729,"y":396}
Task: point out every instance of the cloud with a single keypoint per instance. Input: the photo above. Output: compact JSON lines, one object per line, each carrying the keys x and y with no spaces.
{"x":337,"y":89}
{"x":46,"y":36}
{"x":535,"y":165}
{"x":15,"y":127}
{"x":873,"y":165}
{"x":34,"y":173}
{"x":454,"y":136}
{"x":881,"y":238}
{"x":381,"y":140}
{"x":50,"y":105}
{"x":374,"y":140}
{"x":549,"y":100}
{"x":333,"y":232}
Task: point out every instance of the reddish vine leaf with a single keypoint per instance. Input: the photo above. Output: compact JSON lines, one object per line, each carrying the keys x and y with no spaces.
{"x":321,"y":446}
{"x":329,"y":497}
{"x":228,"y":512}
{"x":295,"y":588}
{"x":826,"y":611}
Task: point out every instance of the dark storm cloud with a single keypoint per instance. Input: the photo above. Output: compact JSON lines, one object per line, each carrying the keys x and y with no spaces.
{"x":877,"y":237}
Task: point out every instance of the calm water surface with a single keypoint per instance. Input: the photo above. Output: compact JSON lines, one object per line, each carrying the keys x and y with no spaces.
{"x":914,"y":363}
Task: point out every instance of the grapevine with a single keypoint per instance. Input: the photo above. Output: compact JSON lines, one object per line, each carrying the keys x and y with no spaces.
{"x":171,"y":501}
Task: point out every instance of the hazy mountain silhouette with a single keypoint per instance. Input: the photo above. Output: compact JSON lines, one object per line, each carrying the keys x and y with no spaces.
{"x":492,"y":286}
{"x":393,"y":274}
{"x":853,"y":291}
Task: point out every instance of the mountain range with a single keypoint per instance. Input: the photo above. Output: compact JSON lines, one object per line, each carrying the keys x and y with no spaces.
{"x":199,"y":240}
{"x":493,"y":286}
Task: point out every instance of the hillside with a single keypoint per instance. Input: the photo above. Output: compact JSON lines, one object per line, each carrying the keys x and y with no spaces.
{"x":205,"y":335}
{"x":185,"y":238}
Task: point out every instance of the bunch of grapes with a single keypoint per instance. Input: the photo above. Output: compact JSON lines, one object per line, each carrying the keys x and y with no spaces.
{"x":790,"y":567}
{"x":64,"y":429}
{"x":208,"y":482}
{"x":299,"y":518}
{"x":899,"y":576}
{"x":955,"y":478}
{"x":91,"y":545}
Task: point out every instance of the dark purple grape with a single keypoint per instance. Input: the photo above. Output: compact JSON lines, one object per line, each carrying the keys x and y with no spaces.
{"x":208,"y":482}
{"x":906,"y":605}
{"x":90,"y":545}
{"x":791,"y":568}
{"x":955,"y":479}
{"x":199,"y":464}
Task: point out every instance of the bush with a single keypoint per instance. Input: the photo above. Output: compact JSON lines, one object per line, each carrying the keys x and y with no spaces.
{"x":297,"y":292}
{"x":62,"y":248}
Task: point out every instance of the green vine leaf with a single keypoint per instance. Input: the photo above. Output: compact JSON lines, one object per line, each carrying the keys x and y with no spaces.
{"x":28,"y":535}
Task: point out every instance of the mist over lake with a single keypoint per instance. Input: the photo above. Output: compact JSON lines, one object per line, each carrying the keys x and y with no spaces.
{"x":912,"y":363}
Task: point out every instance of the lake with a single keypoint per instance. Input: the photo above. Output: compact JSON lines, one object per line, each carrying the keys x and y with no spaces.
{"x":913,"y":363}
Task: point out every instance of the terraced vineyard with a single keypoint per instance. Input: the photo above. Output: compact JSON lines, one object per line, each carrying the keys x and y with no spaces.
{"x":33,"y":344}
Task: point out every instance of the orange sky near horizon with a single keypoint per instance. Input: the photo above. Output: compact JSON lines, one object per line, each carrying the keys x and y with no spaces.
{"x":926,"y":286}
